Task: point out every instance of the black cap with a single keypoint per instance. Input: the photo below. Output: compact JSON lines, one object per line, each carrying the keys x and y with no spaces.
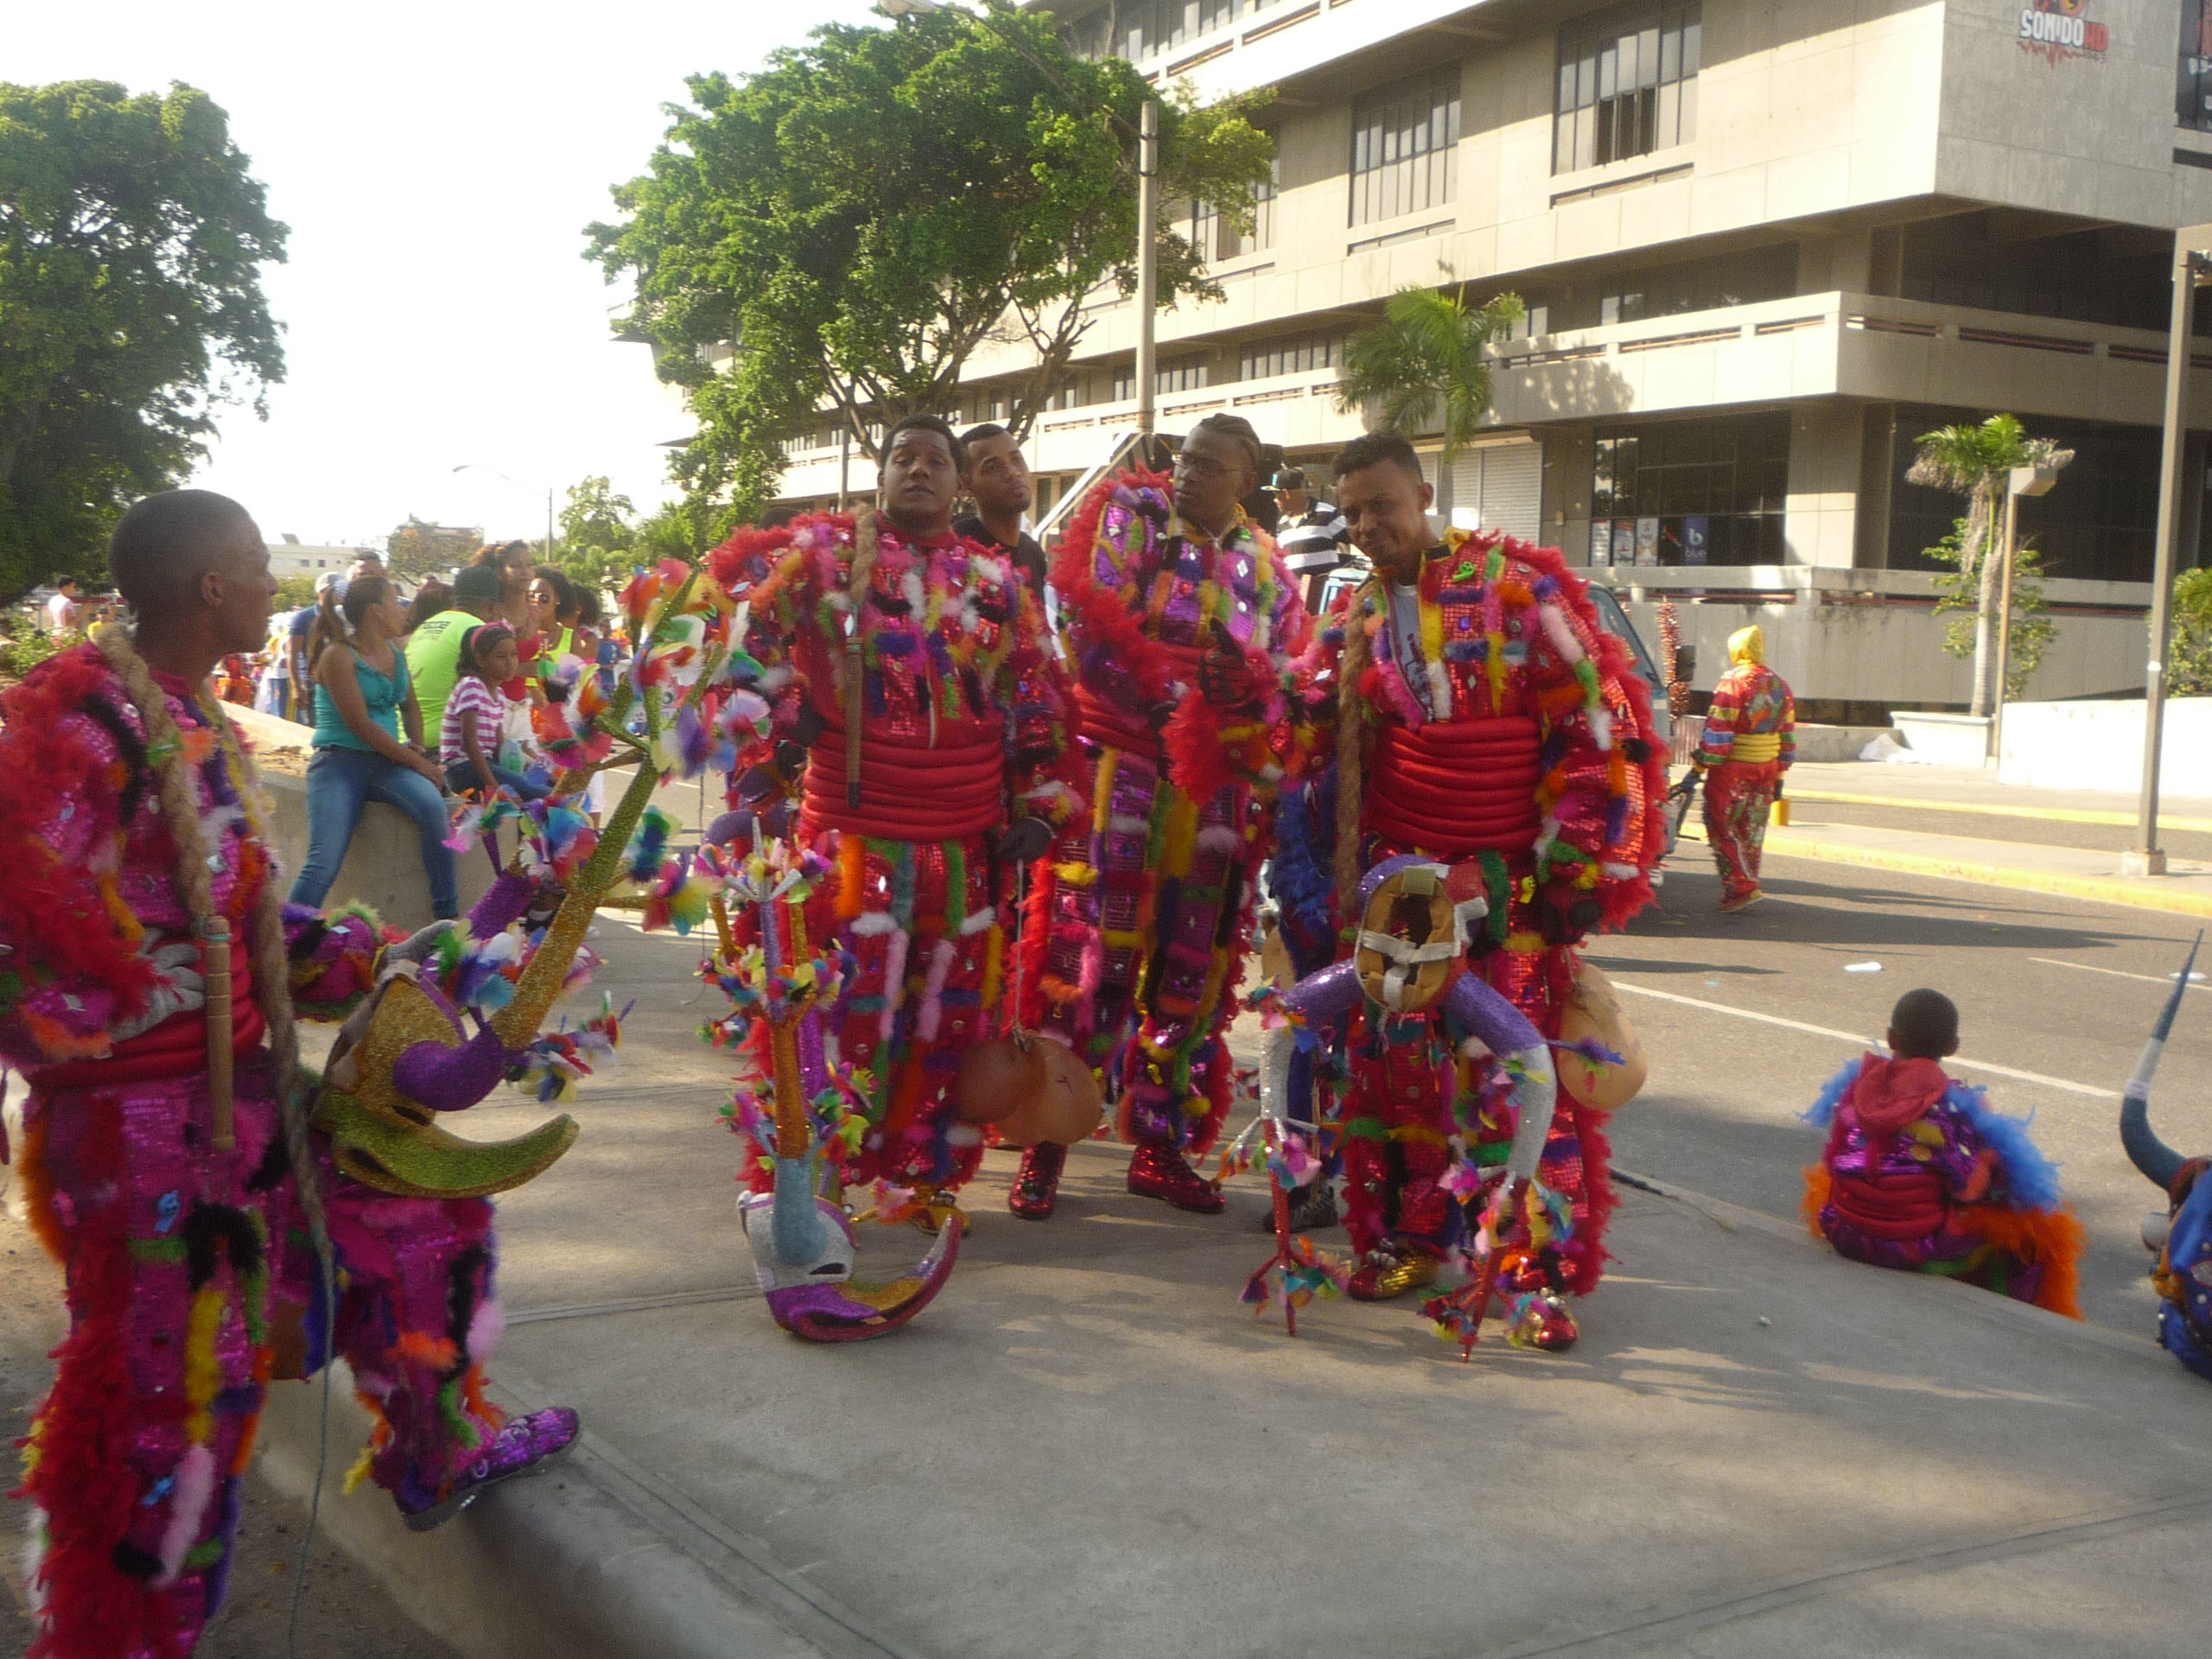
{"x":1290,"y":478}
{"x":477,"y":581}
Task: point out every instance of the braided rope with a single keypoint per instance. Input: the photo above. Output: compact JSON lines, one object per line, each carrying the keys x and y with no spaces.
{"x":1351,"y":732}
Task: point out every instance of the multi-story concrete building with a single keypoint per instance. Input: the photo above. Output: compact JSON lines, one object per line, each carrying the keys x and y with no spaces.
{"x":1762,"y":244}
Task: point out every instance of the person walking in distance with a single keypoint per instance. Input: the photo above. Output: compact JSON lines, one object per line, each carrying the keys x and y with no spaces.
{"x":1182,"y":624}
{"x":1747,"y":745}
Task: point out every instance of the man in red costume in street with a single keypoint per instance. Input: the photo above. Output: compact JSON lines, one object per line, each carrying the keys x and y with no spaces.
{"x":925,"y":723}
{"x":1747,"y":744}
{"x":1182,"y":623}
{"x":1475,"y":713}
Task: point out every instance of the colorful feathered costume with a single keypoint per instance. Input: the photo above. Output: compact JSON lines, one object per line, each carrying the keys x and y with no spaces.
{"x":934,"y":716}
{"x":1486,"y":721}
{"x":1919,"y":1172}
{"x":1180,"y":647}
{"x":1747,"y":744}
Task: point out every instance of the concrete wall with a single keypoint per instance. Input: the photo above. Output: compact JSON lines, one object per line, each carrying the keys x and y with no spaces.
{"x":2100,"y":746}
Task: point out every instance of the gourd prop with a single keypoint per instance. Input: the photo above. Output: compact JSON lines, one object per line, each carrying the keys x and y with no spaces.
{"x":1410,"y":959}
{"x":2182,"y":1237}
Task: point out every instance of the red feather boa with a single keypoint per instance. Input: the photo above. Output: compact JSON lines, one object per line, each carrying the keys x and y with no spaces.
{"x":1100,"y":617}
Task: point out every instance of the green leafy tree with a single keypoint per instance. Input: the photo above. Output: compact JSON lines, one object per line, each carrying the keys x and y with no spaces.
{"x":1423,"y":366}
{"x":418,"y":548}
{"x":292,"y":591}
{"x":2188,"y":654}
{"x":131,"y":243}
{"x":2033,"y":628}
{"x":597,"y":517}
{"x":1976,"y":461}
{"x":845,"y":228}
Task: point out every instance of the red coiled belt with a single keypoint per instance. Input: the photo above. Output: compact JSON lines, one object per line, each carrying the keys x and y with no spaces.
{"x":1457,"y":786}
{"x":907,"y":794}
{"x":1112,"y":727}
{"x":175,"y":1048}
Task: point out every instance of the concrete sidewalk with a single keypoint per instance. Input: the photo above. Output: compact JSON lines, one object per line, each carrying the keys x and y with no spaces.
{"x":1087,"y":1448}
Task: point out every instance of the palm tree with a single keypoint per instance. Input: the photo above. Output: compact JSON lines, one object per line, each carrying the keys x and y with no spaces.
{"x":1424,"y":364}
{"x":1977,"y":462}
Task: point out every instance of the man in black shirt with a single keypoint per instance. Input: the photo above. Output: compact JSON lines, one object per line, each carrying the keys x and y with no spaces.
{"x":997,"y":481}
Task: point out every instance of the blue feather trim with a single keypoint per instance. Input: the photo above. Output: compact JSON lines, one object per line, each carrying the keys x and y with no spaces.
{"x":2031,"y":1178}
{"x":1831,"y":1093}
{"x":1300,"y":878}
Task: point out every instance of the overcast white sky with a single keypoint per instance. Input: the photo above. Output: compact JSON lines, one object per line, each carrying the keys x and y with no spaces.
{"x":436,"y":163}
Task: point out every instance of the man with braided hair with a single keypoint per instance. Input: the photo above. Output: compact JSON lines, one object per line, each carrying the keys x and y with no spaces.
{"x":138,"y":893}
{"x":1475,"y":713}
{"x":1183,"y":622}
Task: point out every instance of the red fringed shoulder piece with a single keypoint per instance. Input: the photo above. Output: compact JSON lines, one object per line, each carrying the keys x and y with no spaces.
{"x":1100,"y":617}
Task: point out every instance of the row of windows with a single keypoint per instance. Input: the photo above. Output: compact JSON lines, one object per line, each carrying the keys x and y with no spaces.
{"x":1627,"y":85}
{"x":2193,"y":96}
{"x":1704,"y":491}
{"x":1142,"y":29}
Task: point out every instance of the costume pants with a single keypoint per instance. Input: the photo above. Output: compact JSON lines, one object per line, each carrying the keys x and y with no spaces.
{"x":1398,"y":1120}
{"x":1150,"y":912}
{"x":135,"y":1456}
{"x":1738,"y":795}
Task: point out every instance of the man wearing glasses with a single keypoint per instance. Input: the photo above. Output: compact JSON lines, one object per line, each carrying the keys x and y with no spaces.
{"x":1182,"y":623}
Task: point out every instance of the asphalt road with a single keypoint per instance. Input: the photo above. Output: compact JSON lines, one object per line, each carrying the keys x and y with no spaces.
{"x":2056,"y":988}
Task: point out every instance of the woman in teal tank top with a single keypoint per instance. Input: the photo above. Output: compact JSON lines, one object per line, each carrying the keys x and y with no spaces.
{"x":362,"y":701}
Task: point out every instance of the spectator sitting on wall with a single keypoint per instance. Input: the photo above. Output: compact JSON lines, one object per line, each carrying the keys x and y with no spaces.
{"x":468,"y":737}
{"x":434,"y":647}
{"x":363,"y":697}
{"x":510,"y":561}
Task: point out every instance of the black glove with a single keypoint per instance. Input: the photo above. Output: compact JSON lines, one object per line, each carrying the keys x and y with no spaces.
{"x":807,"y":726}
{"x":1224,"y":677}
{"x":1026,"y":839}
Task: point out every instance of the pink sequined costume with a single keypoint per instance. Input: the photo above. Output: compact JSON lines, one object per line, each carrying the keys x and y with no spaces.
{"x":1150,"y":902}
{"x":962,"y":724}
{"x":1484,"y":718}
{"x":169,"y":1245}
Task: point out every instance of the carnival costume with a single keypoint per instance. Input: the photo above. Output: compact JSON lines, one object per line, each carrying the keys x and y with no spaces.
{"x":1485,"y":721}
{"x":162,"y":1129}
{"x":2180,"y":1237}
{"x":916,"y":725}
{"x":1746,"y":746}
{"x":1919,"y":1172}
{"x":1181,"y":646}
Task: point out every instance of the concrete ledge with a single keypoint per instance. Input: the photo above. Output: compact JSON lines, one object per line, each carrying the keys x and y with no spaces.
{"x":593,"y":1559}
{"x":1825,"y":744}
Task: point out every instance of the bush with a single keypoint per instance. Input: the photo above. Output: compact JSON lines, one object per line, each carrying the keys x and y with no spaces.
{"x":2032,"y":629}
{"x":2189,"y":655}
{"x":27,"y":643}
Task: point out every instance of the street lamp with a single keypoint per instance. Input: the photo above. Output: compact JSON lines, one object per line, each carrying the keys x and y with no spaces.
{"x":1147,"y":136}
{"x":2192,"y":270}
{"x":479,"y":467}
{"x":2025,"y":480}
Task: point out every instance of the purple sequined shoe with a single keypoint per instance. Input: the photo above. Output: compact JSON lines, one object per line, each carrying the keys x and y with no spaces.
{"x":525,"y":1444}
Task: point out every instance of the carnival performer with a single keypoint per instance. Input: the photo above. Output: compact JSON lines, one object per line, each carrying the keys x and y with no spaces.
{"x":1483,"y":719}
{"x":1919,"y":1172}
{"x":1182,"y":623}
{"x":147,"y":973}
{"x":1746,"y":746}
{"x":923,"y":727}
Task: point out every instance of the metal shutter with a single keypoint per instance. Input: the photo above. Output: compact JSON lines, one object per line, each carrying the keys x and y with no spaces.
{"x":1500,"y":486}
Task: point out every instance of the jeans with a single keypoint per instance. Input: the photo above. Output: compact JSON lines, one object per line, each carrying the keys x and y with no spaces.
{"x":339,"y":782}
{"x":461,"y":775}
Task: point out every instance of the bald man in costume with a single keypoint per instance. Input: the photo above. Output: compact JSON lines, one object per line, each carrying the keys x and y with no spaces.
{"x":1746,"y":747}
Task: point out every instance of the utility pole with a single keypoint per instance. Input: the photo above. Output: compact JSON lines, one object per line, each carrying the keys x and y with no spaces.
{"x":1148,"y":267}
{"x":2190,"y":268}
{"x":2024,"y":480}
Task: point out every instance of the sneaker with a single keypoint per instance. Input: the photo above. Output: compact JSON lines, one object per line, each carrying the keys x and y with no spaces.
{"x":1036,"y":1190}
{"x":1743,"y":900}
{"x":1313,"y":1208}
{"x":522,"y":1446}
{"x":1158,"y":1171}
{"x":1391,"y":1271}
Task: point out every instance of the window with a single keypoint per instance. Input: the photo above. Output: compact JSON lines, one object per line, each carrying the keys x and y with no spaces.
{"x":1262,"y":235}
{"x":1187,"y":376}
{"x":2117,"y":275}
{"x":1405,"y":147}
{"x":1700,"y":285}
{"x":1627,"y":85}
{"x":1141,"y":29}
{"x":1262,"y":359}
{"x":2193,"y":101}
{"x":1706,"y":492}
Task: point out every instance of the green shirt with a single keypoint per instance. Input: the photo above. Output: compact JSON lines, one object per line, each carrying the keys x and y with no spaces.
{"x":434,"y":661}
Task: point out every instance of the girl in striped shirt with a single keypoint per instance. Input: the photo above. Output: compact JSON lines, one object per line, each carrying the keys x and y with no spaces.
{"x":469,"y":736}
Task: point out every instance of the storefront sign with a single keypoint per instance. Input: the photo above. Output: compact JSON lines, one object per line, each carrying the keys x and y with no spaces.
{"x":1647,"y":541}
{"x":1697,"y":536}
{"x":1623,"y":541}
{"x":2057,"y":30}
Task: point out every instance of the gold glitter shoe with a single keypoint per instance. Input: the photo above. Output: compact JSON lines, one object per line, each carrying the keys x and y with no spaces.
{"x":1392,"y":1270}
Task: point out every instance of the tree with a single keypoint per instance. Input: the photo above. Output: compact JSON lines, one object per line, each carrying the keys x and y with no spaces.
{"x":2189,"y":654}
{"x":848,"y":225}
{"x":131,"y":243}
{"x":597,"y":517}
{"x":1424,"y":363}
{"x":419,"y":549}
{"x":2032,"y":630}
{"x":1976,"y":461}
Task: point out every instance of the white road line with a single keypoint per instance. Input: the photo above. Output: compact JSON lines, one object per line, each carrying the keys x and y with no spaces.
{"x":2065,"y":1084}
{"x":2194,"y":980}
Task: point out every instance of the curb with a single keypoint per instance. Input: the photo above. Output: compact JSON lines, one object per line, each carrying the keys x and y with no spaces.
{"x":2113,"y":890}
{"x":594,"y":1559}
{"x":1991,"y":810}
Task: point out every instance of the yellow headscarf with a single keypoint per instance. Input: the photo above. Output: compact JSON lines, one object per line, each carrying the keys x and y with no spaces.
{"x":1747,"y":645}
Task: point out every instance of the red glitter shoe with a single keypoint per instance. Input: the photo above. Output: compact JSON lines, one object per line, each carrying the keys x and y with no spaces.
{"x":1036,"y":1190}
{"x":1548,"y":1325}
{"x":1391,"y":1271}
{"x":1158,"y":1171}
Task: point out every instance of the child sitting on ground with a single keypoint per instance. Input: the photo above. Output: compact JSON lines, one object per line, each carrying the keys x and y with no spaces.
{"x":468,"y":737}
{"x":1921,"y":1173}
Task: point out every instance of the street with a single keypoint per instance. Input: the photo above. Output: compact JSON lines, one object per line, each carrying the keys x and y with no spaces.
{"x":2055,"y":986}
